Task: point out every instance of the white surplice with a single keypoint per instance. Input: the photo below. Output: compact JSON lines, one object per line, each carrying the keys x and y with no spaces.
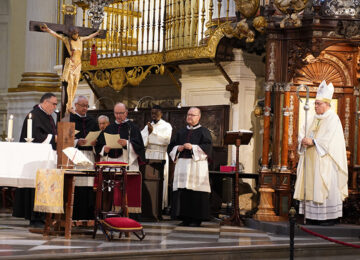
{"x":191,"y":173}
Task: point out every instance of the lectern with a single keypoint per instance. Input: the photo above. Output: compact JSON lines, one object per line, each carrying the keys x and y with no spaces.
{"x":237,"y":138}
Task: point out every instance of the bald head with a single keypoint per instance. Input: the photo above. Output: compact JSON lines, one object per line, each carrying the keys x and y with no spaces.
{"x":120,"y":112}
{"x":193,"y":116}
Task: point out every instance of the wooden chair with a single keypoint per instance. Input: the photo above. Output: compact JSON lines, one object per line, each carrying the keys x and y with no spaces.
{"x":111,"y":221}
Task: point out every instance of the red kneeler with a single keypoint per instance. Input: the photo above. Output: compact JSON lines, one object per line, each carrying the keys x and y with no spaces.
{"x":110,"y":222}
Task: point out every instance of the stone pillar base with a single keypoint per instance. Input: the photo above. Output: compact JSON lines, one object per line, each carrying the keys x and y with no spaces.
{"x":266,"y":208}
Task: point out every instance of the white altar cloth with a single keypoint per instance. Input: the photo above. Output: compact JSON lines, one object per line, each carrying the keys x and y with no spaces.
{"x":20,"y":161}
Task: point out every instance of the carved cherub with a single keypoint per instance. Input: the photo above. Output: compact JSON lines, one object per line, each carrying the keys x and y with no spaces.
{"x":260,"y":24}
{"x":296,"y":5}
{"x":240,"y":31}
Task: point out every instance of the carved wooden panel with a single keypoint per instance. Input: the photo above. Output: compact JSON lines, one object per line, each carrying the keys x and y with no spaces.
{"x":318,"y":71}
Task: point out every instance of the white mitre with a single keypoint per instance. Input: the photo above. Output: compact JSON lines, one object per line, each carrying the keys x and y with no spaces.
{"x":325,"y":92}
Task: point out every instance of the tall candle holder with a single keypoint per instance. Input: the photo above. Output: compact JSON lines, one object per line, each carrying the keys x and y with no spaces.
{"x":9,"y":139}
{"x":29,"y":140}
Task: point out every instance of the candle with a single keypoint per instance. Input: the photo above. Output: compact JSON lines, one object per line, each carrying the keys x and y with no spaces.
{"x":29,"y":127}
{"x":10,"y":127}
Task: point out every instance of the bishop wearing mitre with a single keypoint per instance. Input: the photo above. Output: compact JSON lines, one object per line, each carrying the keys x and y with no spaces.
{"x":323,"y":178}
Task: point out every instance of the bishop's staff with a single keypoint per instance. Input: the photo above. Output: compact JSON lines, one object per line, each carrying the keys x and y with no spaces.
{"x":306,"y":108}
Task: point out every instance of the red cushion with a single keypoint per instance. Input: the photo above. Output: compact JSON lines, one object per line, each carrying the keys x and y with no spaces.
{"x":105,"y":163}
{"x":122,"y":223}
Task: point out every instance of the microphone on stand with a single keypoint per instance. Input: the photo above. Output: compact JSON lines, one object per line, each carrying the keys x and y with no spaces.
{"x":128,"y":167}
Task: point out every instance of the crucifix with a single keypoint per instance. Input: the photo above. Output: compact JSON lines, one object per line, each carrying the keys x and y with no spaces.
{"x":66,"y":130}
{"x":69,"y":16}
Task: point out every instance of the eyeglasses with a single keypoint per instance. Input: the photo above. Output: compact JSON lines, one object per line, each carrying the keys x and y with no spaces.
{"x":191,"y":115}
{"x":52,"y":103}
{"x":119,"y":113}
{"x":319,"y":103}
{"x":82,"y":105}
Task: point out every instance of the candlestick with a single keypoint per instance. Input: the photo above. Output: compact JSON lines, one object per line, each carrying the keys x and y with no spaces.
{"x":10,"y":128}
{"x":29,"y":127}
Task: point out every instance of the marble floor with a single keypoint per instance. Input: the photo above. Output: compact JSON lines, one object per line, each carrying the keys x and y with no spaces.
{"x":164,"y":240}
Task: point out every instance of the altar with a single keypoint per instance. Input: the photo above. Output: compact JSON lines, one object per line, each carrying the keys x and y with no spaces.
{"x":20,"y":161}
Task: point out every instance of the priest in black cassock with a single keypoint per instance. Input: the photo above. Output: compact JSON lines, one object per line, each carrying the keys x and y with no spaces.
{"x":190,"y":150}
{"x":84,"y":199}
{"x":43,"y":131}
{"x":131,"y":140}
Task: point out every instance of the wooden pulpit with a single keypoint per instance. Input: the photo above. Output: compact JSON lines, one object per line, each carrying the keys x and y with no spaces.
{"x":237,"y":138}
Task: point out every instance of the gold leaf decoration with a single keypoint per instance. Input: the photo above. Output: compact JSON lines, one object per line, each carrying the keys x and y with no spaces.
{"x":247,"y":8}
{"x":285,"y":5}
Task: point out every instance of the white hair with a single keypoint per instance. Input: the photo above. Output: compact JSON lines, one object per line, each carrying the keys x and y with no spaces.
{"x":104,"y":117}
{"x":76,"y":99}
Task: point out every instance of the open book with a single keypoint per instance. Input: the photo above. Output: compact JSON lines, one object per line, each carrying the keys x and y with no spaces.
{"x":77,"y":157}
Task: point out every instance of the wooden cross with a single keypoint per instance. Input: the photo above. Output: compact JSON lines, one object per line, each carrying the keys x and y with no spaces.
{"x":66,"y":130}
{"x":69,"y":17}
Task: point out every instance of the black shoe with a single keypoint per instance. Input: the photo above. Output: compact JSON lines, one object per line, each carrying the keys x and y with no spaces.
{"x":195,"y":223}
{"x":184,"y":224}
{"x":329,"y":222}
{"x":37,"y":223}
{"x":312,"y":222}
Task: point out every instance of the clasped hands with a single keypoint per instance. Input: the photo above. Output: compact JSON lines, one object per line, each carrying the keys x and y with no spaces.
{"x":186,"y":146}
{"x":307,"y":142}
{"x":150,"y":127}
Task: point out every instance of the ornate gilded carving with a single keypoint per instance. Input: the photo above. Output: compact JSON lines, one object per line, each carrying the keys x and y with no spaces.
{"x":297,"y":52}
{"x":295,"y":5}
{"x":348,"y":29}
{"x":347,"y":121}
{"x":341,"y":8}
{"x":326,"y":67}
{"x":137,"y":74}
{"x":291,"y":20}
{"x":233,"y":88}
{"x":260,"y":23}
{"x":119,"y":78}
{"x":291,"y":8}
{"x":69,"y":9}
{"x":207,"y":51}
{"x":240,"y":31}
{"x":272,"y":61}
{"x":291,"y":121}
{"x":247,"y":8}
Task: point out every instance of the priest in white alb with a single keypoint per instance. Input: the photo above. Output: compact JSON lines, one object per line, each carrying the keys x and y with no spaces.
{"x":156,"y":136}
{"x":326,"y":173}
